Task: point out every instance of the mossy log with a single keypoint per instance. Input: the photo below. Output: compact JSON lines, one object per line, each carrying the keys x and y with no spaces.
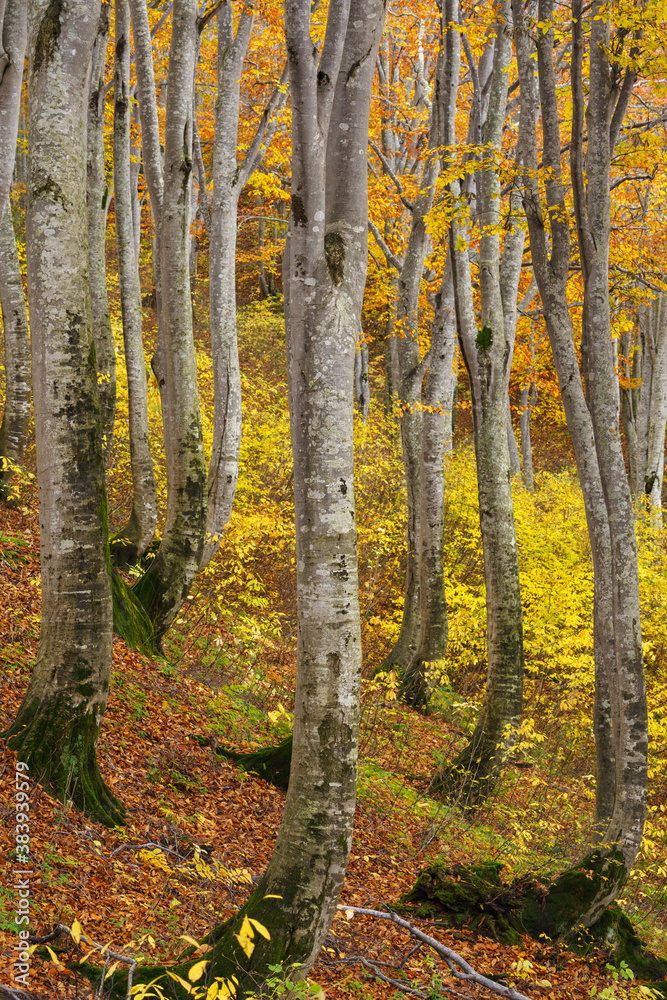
{"x":475,"y":897}
{"x":270,"y":763}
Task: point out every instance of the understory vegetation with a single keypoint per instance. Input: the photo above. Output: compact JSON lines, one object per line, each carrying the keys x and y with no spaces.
{"x":200,"y":829}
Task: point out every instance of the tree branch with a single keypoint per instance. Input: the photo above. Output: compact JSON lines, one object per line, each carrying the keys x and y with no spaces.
{"x":399,"y":187}
{"x":392,"y":259}
{"x":458,"y":966}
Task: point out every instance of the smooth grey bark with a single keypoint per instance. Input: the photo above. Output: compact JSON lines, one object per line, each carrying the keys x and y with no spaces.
{"x":229,"y":179}
{"x":423,"y":672}
{"x":324,"y":276}
{"x":361,"y":388}
{"x":487,"y":352}
{"x":13,"y":36}
{"x":527,"y":402}
{"x":166,"y":583}
{"x":98,"y":197}
{"x":608,"y":97}
{"x":16,"y":420}
{"x":409,"y":375}
{"x":136,"y":535}
{"x":644,"y":405}
{"x":512,"y":447}
{"x":56,"y":728}
{"x":15,"y":427}
{"x":550,"y":269}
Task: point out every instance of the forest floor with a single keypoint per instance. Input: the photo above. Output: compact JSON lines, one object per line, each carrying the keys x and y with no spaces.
{"x":200,"y":831}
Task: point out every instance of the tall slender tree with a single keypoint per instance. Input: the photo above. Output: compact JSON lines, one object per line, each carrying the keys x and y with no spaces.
{"x":56,"y":728}
{"x":324,"y":274}
{"x":620,"y":721}
{"x":167,"y":581}
{"x":137,"y":534}
{"x":487,"y":351}
{"x":16,"y":416}
{"x":99,"y":194}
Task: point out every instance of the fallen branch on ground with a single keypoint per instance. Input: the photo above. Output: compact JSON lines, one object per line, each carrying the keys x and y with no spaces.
{"x":458,"y":966}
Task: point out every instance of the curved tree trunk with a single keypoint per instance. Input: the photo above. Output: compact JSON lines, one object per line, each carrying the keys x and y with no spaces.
{"x":164,"y":586}
{"x":16,"y":417}
{"x":423,"y":672}
{"x":135,"y":537}
{"x":488,"y":354}
{"x":98,"y":195}
{"x":56,"y":728}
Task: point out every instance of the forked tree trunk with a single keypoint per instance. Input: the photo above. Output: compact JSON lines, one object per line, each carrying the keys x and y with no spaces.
{"x":164,"y":586}
{"x":137,"y":534}
{"x":488,"y":353}
{"x":56,"y":728}
{"x":98,"y":196}
{"x":15,"y":426}
{"x":325,"y":267}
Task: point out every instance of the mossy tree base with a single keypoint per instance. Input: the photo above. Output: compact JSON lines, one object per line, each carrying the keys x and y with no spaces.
{"x":270,"y":763}
{"x":414,"y":690}
{"x":475,"y":897}
{"x":130,"y":620}
{"x":58,"y":742}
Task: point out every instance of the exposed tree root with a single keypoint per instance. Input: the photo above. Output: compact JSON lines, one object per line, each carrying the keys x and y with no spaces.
{"x":270,"y":763}
{"x":541,"y":906}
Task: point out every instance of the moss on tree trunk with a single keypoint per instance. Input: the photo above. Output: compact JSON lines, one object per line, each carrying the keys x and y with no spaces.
{"x":270,"y":763}
{"x":58,"y":742}
{"x":554,"y":907}
{"x":130,"y":619}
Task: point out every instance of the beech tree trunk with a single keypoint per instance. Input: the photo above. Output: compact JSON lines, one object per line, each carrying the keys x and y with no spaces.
{"x":229,"y":179}
{"x":166,"y":583}
{"x":607,"y":102}
{"x":98,"y":195}
{"x":409,"y":374}
{"x":620,"y":705}
{"x":644,"y":408}
{"x":487,"y":354}
{"x":56,"y":728}
{"x":13,"y":35}
{"x":224,"y":465}
{"x":324,"y":275}
{"x":15,"y":426}
{"x":423,"y":673}
{"x":137,"y":534}
{"x":16,"y":418}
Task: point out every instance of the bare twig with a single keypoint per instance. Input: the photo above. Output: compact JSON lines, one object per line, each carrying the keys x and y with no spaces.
{"x":397,"y":183}
{"x":458,"y":966}
{"x":392,"y":259}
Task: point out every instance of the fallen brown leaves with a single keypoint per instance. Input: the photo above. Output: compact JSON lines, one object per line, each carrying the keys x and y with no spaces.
{"x":199,"y":832}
